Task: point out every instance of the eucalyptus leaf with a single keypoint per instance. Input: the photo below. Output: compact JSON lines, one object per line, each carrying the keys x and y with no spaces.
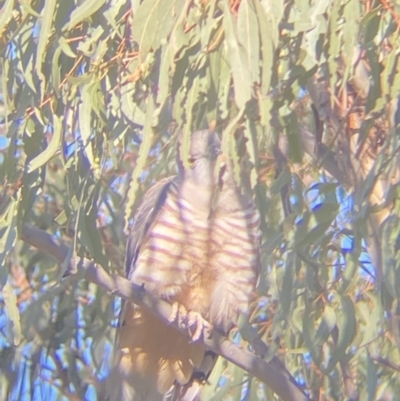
{"x":237,"y":55}
{"x":50,"y":150}
{"x":83,"y":11}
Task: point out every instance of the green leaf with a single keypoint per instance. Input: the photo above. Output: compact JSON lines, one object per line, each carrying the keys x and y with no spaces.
{"x":89,"y":45}
{"x":390,"y":255}
{"x":309,"y":335}
{"x":51,"y":149}
{"x":295,"y":148}
{"x":45,"y":31}
{"x":395,"y":87}
{"x":375,"y":90}
{"x":83,"y":11}
{"x":371,"y":312}
{"x":147,"y":137}
{"x":6,"y":13}
{"x":283,"y":179}
{"x":28,"y":8}
{"x":347,"y":326}
{"x":387,"y":75}
{"x":371,"y":178}
{"x":327,"y":324}
{"x":267,"y":33}
{"x":10,"y":303}
{"x":334,"y":42}
{"x":66,"y":48}
{"x":164,"y":76}
{"x":351,"y":15}
{"x":286,"y":294}
{"x":314,"y":232}
{"x":153,"y":21}
{"x":97,"y":98}
{"x":62,"y":218}
{"x":249,"y":36}
{"x":250,"y":133}
{"x":323,"y":187}
{"x":55,"y":71}
{"x":237,"y":56}
{"x":211,"y":384}
{"x":224,"y":81}
{"x":89,"y":232}
{"x":8,"y":238}
{"x":190,"y":104}
{"x":112,"y":13}
{"x":128,"y":107}
{"x":350,"y":274}
{"x":85,"y":125}
{"x":372,"y":378}
{"x":234,"y":157}
{"x":228,"y":143}
{"x":28,"y":73}
{"x":238,"y":378}
{"x":255,"y":389}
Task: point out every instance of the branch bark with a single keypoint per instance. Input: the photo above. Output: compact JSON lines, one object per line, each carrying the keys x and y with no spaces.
{"x":272,"y":373}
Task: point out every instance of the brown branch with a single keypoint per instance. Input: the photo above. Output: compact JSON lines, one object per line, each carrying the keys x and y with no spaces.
{"x":272,"y":373}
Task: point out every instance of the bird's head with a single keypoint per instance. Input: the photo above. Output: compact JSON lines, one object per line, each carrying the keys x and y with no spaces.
{"x":204,"y":149}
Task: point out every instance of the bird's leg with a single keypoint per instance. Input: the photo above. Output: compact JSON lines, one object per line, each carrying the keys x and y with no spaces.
{"x":178,"y":314}
{"x":193,"y":321}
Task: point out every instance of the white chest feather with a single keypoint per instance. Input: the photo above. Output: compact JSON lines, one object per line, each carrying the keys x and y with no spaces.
{"x":207,"y":262}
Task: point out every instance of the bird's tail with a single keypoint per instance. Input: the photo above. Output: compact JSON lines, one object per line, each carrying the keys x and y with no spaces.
{"x":124,"y":384}
{"x":150,"y":357}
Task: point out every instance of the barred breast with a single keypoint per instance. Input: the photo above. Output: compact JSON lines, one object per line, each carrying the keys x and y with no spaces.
{"x":161,"y":265}
{"x":236,"y":237}
{"x":206,"y":261}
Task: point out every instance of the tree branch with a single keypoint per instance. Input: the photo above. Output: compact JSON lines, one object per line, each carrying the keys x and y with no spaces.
{"x":272,"y":373}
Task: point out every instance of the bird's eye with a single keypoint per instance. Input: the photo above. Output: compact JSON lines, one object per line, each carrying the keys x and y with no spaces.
{"x":191,"y":161}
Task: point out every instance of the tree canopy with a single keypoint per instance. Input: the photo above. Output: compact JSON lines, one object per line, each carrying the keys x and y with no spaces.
{"x":305,"y":96}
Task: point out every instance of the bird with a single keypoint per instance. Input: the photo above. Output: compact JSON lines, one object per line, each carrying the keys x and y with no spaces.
{"x":195,"y":243}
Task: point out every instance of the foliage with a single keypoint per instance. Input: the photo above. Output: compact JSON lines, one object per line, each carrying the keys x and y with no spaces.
{"x":93,"y":94}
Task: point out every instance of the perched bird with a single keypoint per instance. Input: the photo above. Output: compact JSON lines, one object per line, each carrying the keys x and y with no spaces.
{"x":194,"y":243}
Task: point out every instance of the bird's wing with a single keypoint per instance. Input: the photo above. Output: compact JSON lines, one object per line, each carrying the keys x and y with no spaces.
{"x":147,"y":211}
{"x":145,"y":215}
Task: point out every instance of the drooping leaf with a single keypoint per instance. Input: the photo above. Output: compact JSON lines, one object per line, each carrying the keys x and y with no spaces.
{"x":50,"y":150}
{"x":347,"y":326}
{"x":6,"y":13}
{"x":85,"y":125}
{"x":153,"y":21}
{"x":45,"y":30}
{"x":8,"y":238}
{"x":144,"y":150}
{"x":10,"y":301}
{"x":248,"y":32}
{"x":83,"y":11}
{"x":237,"y":56}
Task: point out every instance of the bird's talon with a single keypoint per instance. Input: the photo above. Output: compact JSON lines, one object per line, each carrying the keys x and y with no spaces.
{"x":174,"y":313}
{"x":178,"y":314}
{"x":192,"y":321}
{"x":196,"y":325}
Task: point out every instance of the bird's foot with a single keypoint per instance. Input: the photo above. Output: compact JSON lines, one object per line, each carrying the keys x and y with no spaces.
{"x":197,"y":325}
{"x":193,"y":321}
